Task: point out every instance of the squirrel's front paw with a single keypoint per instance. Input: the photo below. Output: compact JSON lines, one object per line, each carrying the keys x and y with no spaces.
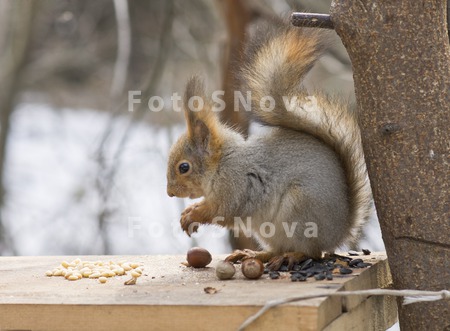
{"x":188,"y":221}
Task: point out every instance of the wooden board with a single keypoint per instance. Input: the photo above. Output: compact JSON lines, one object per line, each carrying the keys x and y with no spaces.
{"x":171,"y":296}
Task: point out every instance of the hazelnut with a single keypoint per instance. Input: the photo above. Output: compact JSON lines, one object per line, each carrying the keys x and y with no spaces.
{"x":252,"y":268}
{"x":198,"y":257}
{"x":225,"y":270}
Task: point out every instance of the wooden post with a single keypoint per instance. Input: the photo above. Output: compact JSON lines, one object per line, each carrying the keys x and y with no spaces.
{"x":401,"y":65}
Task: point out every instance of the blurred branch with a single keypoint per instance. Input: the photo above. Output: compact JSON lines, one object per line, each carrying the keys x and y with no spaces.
{"x":165,"y":41}
{"x":123,"y":47}
{"x":15,"y":45}
{"x":117,"y":88}
{"x":237,"y":16}
{"x":105,"y":178}
{"x":150,"y":86}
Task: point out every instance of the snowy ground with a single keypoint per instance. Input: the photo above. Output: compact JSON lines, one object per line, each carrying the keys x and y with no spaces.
{"x":52,"y":203}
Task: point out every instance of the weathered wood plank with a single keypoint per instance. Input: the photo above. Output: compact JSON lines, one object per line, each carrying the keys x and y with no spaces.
{"x":380,"y":274}
{"x":167,"y":296}
{"x":373,"y":314}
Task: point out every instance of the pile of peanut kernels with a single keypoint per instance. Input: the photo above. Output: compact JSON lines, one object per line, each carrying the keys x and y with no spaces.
{"x":78,"y":269}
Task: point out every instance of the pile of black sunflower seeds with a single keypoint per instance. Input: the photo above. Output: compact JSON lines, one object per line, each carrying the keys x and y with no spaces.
{"x":322,"y":269}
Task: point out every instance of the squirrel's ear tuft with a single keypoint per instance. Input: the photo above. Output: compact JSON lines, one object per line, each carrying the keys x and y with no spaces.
{"x":194,"y":88}
{"x":198,"y":116}
{"x":194,"y":101}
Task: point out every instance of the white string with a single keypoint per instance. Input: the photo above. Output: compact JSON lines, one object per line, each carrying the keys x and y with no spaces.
{"x":410,"y":296}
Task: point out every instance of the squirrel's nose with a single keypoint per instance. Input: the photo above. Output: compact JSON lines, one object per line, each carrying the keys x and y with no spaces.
{"x":169,"y":192}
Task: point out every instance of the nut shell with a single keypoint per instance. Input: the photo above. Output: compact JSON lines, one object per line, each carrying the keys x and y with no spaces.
{"x":198,"y":257}
{"x":252,"y":268}
{"x":225,"y":270}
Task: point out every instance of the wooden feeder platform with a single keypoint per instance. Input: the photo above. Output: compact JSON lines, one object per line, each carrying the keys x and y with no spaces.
{"x":171,"y":296}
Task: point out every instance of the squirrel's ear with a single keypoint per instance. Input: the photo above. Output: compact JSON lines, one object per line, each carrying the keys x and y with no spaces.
{"x":199,"y":119}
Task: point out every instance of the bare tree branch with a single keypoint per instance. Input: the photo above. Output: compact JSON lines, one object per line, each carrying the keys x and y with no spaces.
{"x":123,"y":47}
{"x":120,"y":76}
{"x":105,"y":177}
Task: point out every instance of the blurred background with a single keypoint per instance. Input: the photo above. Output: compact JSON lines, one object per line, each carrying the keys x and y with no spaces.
{"x":79,"y":173}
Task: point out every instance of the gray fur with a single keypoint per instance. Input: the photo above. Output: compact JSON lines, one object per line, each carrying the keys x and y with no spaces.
{"x":284,"y":176}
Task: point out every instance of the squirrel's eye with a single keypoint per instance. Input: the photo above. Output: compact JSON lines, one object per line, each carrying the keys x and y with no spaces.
{"x":184,"y":167}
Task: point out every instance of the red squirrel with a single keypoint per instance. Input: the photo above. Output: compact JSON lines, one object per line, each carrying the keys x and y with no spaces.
{"x":307,"y":171}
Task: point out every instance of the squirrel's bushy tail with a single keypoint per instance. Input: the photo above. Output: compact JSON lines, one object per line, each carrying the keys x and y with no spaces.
{"x":275,"y":67}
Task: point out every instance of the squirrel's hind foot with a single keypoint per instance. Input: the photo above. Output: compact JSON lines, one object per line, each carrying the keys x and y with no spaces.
{"x":290,"y":259}
{"x":240,"y":255}
{"x":274,"y":262}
